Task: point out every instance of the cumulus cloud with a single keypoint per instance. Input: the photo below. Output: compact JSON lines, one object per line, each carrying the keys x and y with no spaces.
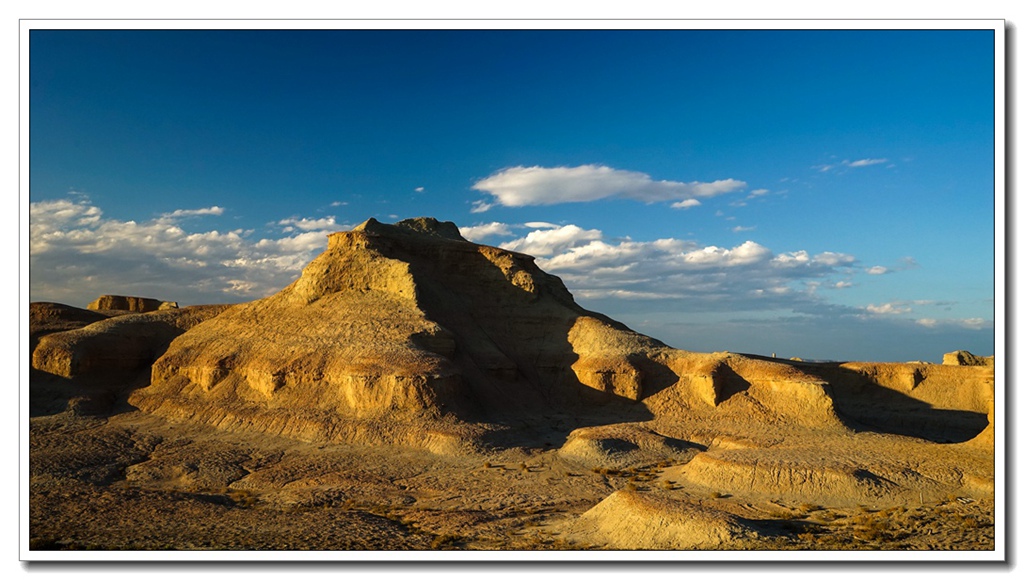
{"x":76,"y":254}
{"x":527,"y":186}
{"x":877,"y":270}
{"x":309,"y":224}
{"x":551,"y":241}
{"x":745,"y":276}
{"x":479,"y":232}
{"x":686,"y":204}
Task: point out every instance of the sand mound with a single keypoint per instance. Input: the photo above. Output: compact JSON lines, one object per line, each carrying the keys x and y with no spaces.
{"x":634,"y":521}
{"x":621,"y":445}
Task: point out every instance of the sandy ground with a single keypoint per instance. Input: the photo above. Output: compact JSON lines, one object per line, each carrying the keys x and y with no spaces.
{"x":129,"y":481}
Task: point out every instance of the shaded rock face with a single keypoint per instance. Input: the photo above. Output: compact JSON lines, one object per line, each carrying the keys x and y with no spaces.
{"x":130,"y":303}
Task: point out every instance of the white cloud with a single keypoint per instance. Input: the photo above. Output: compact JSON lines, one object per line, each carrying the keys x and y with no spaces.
{"x":76,"y":254}
{"x":966,"y":323}
{"x":877,"y":270}
{"x":854,"y":164}
{"x":686,"y":204}
{"x":419,"y":190}
{"x":481,"y":231}
{"x":540,"y":225}
{"x":525,"y":186}
{"x":338,"y":203}
{"x":974,"y":323}
{"x":887,"y":308}
{"x":310,"y":224}
{"x":480,"y":206}
{"x":865,"y":162}
{"x":758,"y":192}
{"x":551,"y":241}
{"x":214,"y":210}
{"x":842,"y":284}
{"x":700,"y":277}
{"x":739,"y":229}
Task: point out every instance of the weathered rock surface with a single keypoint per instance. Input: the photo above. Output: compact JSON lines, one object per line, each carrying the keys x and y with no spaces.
{"x":112,"y":347}
{"x":397,"y":327}
{"x":130,"y":303}
{"x":50,"y":317}
{"x":965,"y":358}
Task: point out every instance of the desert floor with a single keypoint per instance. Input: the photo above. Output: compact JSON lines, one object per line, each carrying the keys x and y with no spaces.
{"x":123,"y":480}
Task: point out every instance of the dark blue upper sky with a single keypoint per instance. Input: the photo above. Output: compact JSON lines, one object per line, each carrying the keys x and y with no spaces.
{"x":874,"y":145}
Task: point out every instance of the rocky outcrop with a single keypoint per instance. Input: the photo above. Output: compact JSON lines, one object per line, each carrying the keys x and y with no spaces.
{"x":398,"y":326}
{"x":403,"y":320}
{"x":115,"y":347}
{"x":50,"y":317}
{"x":130,"y":303}
{"x":964,"y":358}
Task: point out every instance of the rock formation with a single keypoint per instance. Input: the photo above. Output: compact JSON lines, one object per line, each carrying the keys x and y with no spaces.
{"x":399,"y":326}
{"x":964,"y":358}
{"x":112,"y":347}
{"x":129,"y":303}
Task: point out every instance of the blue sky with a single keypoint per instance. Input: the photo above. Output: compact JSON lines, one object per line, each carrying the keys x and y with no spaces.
{"x":821,"y":194}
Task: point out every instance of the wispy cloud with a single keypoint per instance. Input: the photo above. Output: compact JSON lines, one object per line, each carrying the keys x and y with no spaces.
{"x":865,"y":162}
{"x":967,"y":323}
{"x":528,"y":186}
{"x":739,"y":229}
{"x":887,"y":308}
{"x":877,"y":270}
{"x":214,"y":210}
